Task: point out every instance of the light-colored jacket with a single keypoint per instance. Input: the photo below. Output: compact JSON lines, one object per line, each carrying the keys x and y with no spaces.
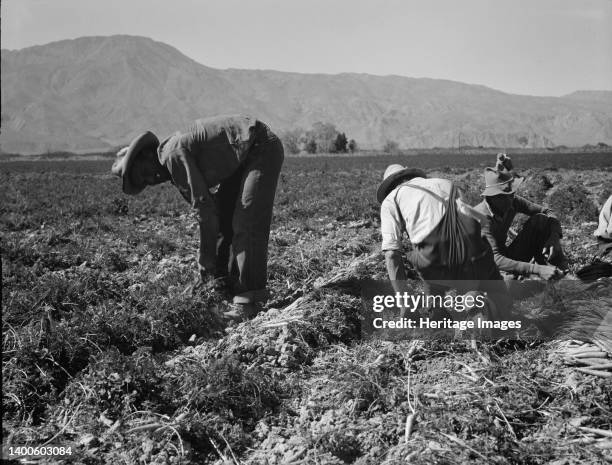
{"x":604,"y":229}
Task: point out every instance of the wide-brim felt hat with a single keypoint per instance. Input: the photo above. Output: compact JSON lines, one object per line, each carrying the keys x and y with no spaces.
{"x":125,"y":158}
{"x":500,"y":182}
{"x":393,"y":175}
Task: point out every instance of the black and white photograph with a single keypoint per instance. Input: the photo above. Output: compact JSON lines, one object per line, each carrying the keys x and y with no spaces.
{"x":291,"y":232}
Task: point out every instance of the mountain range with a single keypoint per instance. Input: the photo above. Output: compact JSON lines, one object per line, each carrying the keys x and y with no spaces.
{"x":97,"y":93}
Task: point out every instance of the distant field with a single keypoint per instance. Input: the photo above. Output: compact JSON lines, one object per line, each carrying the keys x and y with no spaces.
{"x":440,"y":161}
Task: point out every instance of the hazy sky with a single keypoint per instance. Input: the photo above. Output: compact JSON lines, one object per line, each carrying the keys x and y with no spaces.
{"x":537,"y":47}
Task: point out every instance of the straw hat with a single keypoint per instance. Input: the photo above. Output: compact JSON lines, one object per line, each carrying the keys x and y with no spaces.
{"x":394,"y":174}
{"x":126,"y":156}
{"x":502,"y":179}
{"x":500,"y":182}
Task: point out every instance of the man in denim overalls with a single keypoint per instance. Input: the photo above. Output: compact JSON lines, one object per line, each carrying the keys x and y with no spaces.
{"x":227,"y":168}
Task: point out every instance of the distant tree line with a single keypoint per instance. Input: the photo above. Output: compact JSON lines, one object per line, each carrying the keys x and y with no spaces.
{"x":320,"y":138}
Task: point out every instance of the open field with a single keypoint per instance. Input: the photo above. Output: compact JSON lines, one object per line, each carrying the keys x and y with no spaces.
{"x":109,"y":347}
{"x":362,"y":160}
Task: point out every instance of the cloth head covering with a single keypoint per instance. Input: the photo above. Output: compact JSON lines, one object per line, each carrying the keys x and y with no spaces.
{"x":393,"y":174}
{"x":126,"y":156}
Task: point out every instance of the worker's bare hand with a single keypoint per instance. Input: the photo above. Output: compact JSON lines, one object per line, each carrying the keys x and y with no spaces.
{"x":552,"y":249}
{"x":548,"y":272}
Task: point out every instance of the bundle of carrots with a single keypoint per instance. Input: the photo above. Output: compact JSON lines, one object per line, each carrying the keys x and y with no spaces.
{"x":589,"y":358}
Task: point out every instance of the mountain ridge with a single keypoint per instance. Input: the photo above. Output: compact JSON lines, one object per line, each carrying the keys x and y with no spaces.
{"x":98,"y":92}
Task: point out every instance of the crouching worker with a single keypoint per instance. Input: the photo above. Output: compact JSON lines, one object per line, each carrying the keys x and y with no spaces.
{"x":448,"y":245}
{"x":227,"y":168}
{"x":603,"y":233}
{"x":536,"y":250}
{"x":600,"y":267}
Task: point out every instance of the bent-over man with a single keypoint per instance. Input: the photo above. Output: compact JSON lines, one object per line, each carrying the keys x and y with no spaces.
{"x":227,"y":168}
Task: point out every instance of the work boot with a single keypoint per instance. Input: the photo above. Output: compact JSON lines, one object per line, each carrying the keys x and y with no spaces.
{"x":237,"y":313}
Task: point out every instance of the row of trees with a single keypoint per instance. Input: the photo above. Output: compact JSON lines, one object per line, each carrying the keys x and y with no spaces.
{"x":321,"y":138}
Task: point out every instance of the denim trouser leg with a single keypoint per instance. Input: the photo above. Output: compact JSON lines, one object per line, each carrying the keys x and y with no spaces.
{"x":252,"y":218}
{"x":529,"y":242}
{"x":226,"y":203}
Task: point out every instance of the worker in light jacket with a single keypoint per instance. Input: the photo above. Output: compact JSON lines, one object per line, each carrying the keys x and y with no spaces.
{"x":227,"y":168}
{"x":603,"y":233}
